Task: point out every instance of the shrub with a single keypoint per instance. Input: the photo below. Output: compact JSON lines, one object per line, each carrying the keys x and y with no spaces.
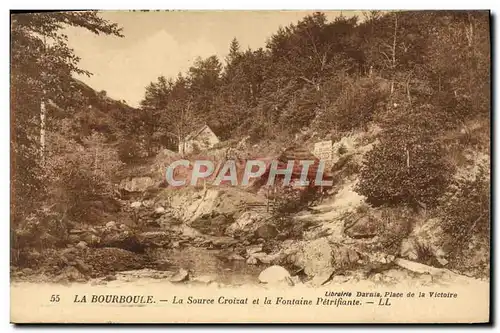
{"x":391,"y":225}
{"x":79,"y":176}
{"x":290,"y":200}
{"x":287,"y":202}
{"x":466,"y":211}
{"x":355,"y":107}
{"x":257,"y":133}
{"x":395,"y":225}
{"x":129,"y":151}
{"x":395,"y":174}
{"x":291,"y":228}
{"x":342,"y":149}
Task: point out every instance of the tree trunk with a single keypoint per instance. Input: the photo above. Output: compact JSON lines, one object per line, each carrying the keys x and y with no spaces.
{"x":43,"y":112}
{"x":394,"y":40}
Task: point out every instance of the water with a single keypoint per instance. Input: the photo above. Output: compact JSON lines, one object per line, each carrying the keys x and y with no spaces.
{"x":214,"y":263}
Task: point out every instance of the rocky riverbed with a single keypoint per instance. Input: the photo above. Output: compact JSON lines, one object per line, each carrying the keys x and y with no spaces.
{"x":228,"y":236}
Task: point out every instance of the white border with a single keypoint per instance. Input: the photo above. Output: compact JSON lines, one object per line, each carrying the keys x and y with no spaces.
{"x":191,"y":4}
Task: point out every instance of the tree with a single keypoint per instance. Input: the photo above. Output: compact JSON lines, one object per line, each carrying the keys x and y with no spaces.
{"x":458,"y":62}
{"x":409,"y":165}
{"x":234,"y":51}
{"x":154,"y":119}
{"x":465,"y":214}
{"x":167,"y":114}
{"x":203,"y":80}
{"x":239,"y":92}
{"x":42,"y":65}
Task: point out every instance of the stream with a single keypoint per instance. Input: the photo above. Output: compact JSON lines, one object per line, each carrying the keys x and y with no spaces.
{"x":205,"y":262}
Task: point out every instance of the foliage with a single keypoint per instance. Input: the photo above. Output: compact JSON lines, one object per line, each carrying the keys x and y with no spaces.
{"x":466,"y":210}
{"x":352,"y":104}
{"x":395,"y":172}
{"x":129,"y":151}
{"x":80,"y":175}
{"x":42,"y":65}
{"x":330,"y":76}
{"x":394,"y":226}
{"x":288,"y":201}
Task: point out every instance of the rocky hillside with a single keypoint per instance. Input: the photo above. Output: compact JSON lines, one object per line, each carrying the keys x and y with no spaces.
{"x":158,"y":227}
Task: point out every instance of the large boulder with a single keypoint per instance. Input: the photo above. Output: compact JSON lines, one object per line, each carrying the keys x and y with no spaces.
{"x":425,"y":243}
{"x":264,"y":258}
{"x":104,"y":261}
{"x":315,"y":257}
{"x":212,"y":225}
{"x":181,"y":276}
{"x":166,"y":221}
{"x":186,"y":232}
{"x":364,"y":227}
{"x":344,"y":256}
{"x":159,"y":211}
{"x":248,"y":223}
{"x":266,"y":231}
{"x":154,"y":239}
{"x":275,"y":275}
{"x":189,"y":205}
{"x":320,"y":257}
{"x":70,"y":274}
{"x":111,"y":225}
{"x":122,"y":239}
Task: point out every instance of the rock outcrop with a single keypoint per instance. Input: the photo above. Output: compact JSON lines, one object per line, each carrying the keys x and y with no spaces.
{"x":364,"y":227}
{"x":321,"y":257}
{"x":425,"y":243}
{"x":137,"y":184}
{"x":275,"y":275}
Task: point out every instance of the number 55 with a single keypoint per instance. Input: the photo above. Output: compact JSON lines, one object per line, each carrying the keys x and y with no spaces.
{"x":54,"y":298}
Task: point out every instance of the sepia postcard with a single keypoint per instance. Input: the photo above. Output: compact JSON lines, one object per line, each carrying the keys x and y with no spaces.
{"x":178,"y":166}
